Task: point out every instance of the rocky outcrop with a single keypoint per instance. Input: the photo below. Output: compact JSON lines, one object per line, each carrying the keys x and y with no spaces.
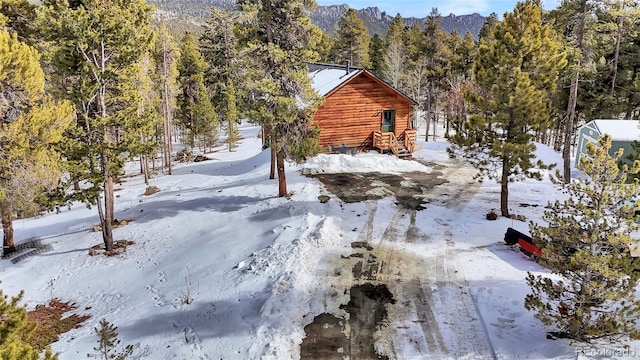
{"x":326,"y":17}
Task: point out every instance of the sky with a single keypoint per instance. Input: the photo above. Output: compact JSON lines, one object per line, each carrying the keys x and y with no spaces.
{"x":421,"y":8}
{"x":258,"y":268}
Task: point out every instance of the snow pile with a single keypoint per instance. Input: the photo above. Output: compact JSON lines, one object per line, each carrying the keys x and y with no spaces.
{"x":366,"y":162}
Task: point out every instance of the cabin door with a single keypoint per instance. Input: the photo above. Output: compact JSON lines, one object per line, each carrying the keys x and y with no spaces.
{"x":388,"y":120}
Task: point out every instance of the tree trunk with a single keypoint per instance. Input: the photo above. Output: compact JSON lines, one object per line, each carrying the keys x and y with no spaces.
{"x":8,"y":245}
{"x":427,"y":118}
{"x":573,"y":98}
{"x":504,"y":189}
{"x":107,"y":224}
{"x":145,"y":168}
{"x":166,"y":112}
{"x":282,"y":179}
{"x":106,"y":216}
{"x":272,"y":145}
{"x":616,"y":56}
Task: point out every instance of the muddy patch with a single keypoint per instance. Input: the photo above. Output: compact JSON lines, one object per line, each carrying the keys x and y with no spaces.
{"x":367,"y":311}
{"x":409,"y":188}
{"x":325,"y":339}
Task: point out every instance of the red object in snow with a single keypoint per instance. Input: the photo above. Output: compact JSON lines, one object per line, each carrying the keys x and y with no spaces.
{"x":513,"y":236}
{"x":528,"y":248}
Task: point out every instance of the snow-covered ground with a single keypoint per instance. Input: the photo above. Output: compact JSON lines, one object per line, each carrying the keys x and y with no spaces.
{"x":259,"y":268}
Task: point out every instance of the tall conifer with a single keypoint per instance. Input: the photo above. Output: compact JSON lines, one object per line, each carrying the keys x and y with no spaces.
{"x":516,"y":69}
{"x":277,"y":35}
{"x":195,"y":111}
{"x":351,"y":40}
{"x":94,"y":45}
{"x":30,"y":123}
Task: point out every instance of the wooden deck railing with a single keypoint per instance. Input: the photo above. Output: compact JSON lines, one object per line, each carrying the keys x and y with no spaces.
{"x":410,"y":137}
{"x":388,"y":141}
{"x":385,"y":141}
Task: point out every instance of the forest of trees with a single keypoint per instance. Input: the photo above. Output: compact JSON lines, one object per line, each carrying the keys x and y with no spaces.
{"x":95,"y":83}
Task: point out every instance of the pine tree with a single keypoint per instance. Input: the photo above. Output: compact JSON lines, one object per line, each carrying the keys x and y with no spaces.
{"x":321,"y":43}
{"x":586,"y":242}
{"x":16,"y":330}
{"x":195,"y":111}
{"x":608,"y":91}
{"x":396,"y":30}
{"x":351,"y":40}
{"x":490,"y":22}
{"x":414,"y":74}
{"x":94,"y":43}
{"x":166,"y":56}
{"x":394,"y":56}
{"x":277,"y":35}
{"x":580,"y":9}
{"x":433,"y":54}
{"x":140,"y":102}
{"x":376,"y":54}
{"x":219,"y":48}
{"x":231,"y":116}
{"x":108,"y":343}
{"x":30,"y":123}
{"x":516,"y":69}
{"x":20,"y":18}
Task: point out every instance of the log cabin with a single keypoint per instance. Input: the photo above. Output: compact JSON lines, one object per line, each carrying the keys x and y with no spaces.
{"x":361,"y":112}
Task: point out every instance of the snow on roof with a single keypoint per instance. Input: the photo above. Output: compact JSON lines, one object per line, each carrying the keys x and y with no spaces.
{"x":621,"y":130}
{"x":325,"y":80}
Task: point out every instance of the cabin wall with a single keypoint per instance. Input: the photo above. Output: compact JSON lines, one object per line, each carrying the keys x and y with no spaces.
{"x":349,"y":116}
{"x":587,"y":134}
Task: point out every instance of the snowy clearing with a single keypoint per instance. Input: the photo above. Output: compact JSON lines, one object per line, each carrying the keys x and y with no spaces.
{"x":259,"y":268}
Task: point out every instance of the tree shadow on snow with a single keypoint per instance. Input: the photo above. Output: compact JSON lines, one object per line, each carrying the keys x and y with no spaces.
{"x":203,"y":319}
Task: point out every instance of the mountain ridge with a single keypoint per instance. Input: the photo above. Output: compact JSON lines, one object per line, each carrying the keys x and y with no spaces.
{"x":326,"y":17}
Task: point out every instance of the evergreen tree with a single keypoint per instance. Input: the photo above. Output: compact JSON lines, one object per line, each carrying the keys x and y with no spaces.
{"x":516,"y":69}
{"x":277,"y":35}
{"x":608,"y":91}
{"x":351,"y":40}
{"x":218,"y":47}
{"x":396,"y":30}
{"x":432,"y":52}
{"x":166,"y":57}
{"x":30,"y":123}
{"x":321,"y":43}
{"x":231,"y":115}
{"x":576,"y":16}
{"x":20,"y":18}
{"x":586,"y":242}
{"x":220,"y":50}
{"x":394,"y":58}
{"x":195,"y":111}
{"x":489,"y":23}
{"x":108,"y":343}
{"x":94,"y":45}
{"x":414,"y":74}
{"x":140,"y":115}
{"x":376,"y":54}
{"x":16,"y":330}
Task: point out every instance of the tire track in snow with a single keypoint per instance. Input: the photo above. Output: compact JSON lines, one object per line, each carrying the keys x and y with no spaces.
{"x":468,"y":334}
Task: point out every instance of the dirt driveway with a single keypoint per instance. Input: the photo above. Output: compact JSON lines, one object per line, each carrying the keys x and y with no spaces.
{"x":393,"y":291}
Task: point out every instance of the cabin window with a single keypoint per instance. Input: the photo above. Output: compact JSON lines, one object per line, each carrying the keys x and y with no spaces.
{"x":388,"y":120}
